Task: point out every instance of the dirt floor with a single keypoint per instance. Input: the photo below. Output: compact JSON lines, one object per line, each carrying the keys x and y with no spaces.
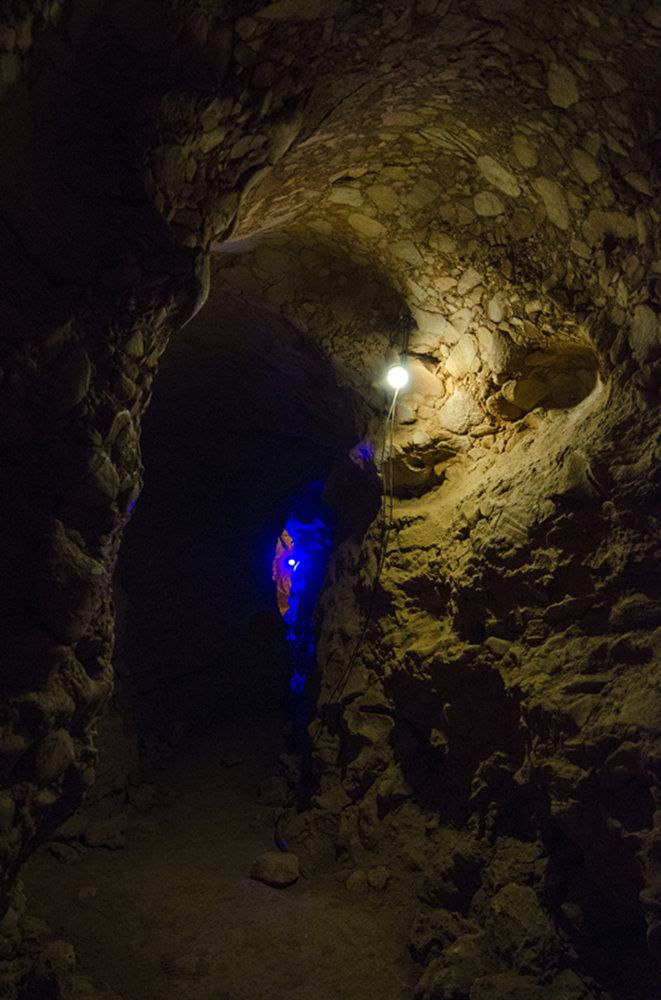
{"x":174,"y":915}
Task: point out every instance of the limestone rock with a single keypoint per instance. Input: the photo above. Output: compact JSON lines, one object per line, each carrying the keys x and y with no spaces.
{"x":366,"y":226}
{"x":524,"y":152}
{"x":497,"y":306}
{"x":599,"y":222}
{"x":384,"y":197}
{"x":498,"y":176}
{"x":276,"y":869}
{"x":346,"y":196}
{"x":505,"y":355}
{"x":407,"y":251}
{"x":469,"y":280}
{"x":487,"y":203}
{"x":423,"y":381}
{"x":585,"y":166}
{"x":460,"y":412}
{"x":554,"y":201}
{"x":500,"y":407}
{"x":526,"y":393}
{"x":463,"y":357}
{"x":562,"y":86}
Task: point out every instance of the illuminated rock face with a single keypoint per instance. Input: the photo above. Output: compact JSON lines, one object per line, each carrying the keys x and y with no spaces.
{"x":489,"y":167}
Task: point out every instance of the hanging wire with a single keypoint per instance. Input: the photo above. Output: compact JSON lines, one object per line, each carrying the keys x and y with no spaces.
{"x":404,"y":326}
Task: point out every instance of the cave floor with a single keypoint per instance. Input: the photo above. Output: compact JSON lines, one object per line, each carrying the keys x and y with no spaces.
{"x":174,"y":914}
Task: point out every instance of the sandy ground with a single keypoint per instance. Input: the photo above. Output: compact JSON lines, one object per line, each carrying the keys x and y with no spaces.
{"x":174,"y":915}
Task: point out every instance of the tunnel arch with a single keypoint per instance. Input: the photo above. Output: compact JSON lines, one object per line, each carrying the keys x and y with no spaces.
{"x":431,"y":144}
{"x":247,"y":414}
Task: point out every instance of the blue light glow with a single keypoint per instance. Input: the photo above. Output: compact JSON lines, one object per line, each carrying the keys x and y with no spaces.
{"x":310,"y":533}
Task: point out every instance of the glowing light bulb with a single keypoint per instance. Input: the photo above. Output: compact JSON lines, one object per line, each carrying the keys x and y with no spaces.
{"x":398,"y":376}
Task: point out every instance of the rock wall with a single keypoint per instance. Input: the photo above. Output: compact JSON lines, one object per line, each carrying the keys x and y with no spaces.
{"x":506,"y":685}
{"x":491,"y":166}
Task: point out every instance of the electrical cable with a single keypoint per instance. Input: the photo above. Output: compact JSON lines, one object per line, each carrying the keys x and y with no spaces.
{"x":386,"y":528}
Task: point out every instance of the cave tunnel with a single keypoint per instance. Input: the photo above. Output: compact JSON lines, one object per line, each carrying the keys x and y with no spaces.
{"x":428,"y":767}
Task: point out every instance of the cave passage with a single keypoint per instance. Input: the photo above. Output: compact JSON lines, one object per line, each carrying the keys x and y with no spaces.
{"x":224,"y":207}
{"x":298,"y":569}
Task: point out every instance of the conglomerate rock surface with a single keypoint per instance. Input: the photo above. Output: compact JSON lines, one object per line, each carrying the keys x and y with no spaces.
{"x":490,"y":167}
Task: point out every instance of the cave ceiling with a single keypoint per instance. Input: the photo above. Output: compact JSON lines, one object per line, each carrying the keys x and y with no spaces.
{"x":289,"y":181}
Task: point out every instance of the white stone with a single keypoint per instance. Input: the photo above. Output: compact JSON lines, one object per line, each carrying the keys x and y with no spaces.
{"x":585,"y":166}
{"x":418,"y":292}
{"x":644,"y":333}
{"x":421,"y":438}
{"x":488,"y":203}
{"x":653,"y":15}
{"x":431,"y":323}
{"x":444,"y":283}
{"x":366,"y":226}
{"x":562,"y":86}
{"x":461,"y":320}
{"x":554,"y":201}
{"x":404,"y":413}
{"x":424,"y":381}
{"x":407,"y":251}
{"x":463,"y":357}
{"x":498,"y":176}
{"x":461,"y":412}
{"x":468,"y":280}
{"x":485,"y":338}
{"x":346,"y":196}
{"x":496,"y":307}
{"x":524,"y":152}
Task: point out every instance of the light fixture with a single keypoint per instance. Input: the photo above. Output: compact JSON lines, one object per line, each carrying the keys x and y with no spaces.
{"x":398,"y":376}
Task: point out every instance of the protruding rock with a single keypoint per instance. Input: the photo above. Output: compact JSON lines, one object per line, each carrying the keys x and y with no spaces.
{"x":277,"y":870}
{"x":562,"y":86}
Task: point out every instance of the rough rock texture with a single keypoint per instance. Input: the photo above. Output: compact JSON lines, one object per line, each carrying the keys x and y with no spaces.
{"x":491,"y":167}
{"x":277,"y":870}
